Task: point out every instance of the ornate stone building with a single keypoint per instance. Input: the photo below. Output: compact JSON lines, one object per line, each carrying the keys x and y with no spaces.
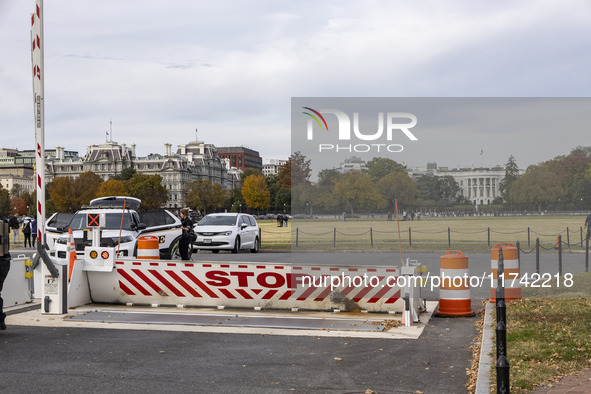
{"x":192,"y":161}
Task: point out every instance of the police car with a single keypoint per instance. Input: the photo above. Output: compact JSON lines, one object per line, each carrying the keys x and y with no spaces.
{"x":121,"y":225}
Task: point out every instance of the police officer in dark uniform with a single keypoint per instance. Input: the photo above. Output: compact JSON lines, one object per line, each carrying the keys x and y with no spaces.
{"x":4,"y":268}
{"x":187,"y":226}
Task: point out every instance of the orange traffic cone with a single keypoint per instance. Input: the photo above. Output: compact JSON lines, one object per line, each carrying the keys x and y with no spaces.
{"x":72,"y":253}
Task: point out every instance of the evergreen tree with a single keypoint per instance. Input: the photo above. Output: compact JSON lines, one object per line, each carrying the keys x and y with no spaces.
{"x":511,"y":175}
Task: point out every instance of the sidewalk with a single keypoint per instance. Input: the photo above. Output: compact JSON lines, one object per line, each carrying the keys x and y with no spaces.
{"x":571,"y":384}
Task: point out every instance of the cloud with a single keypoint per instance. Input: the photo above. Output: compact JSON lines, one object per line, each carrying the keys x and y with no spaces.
{"x":231,"y":68}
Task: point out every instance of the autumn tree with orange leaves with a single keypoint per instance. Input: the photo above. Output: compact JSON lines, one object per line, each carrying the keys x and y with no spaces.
{"x":255,"y":192}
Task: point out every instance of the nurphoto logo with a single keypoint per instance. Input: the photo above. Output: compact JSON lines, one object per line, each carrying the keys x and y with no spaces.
{"x":395,"y":123}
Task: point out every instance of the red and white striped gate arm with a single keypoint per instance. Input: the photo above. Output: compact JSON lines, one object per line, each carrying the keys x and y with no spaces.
{"x":255,"y":285}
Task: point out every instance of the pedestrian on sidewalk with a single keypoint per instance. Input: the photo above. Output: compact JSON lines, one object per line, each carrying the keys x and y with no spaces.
{"x":279,"y":220}
{"x":34,"y":230}
{"x":27,"y":230}
{"x":15,"y":227}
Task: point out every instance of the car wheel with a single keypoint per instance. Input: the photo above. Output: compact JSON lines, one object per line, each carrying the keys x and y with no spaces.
{"x":256,"y":246}
{"x":236,"y":245}
{"x":215,"y":251}
{"x":175,"y":253}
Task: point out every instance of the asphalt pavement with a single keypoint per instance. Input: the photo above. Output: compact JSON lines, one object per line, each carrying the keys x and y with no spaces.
{"x":64,"y":359}
{"x":45,"y":359}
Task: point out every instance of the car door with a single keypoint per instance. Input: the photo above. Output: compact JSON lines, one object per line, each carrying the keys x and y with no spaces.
{"x":161,"y":224}
{"x":245,"y":230}
{"x":254,"y":228}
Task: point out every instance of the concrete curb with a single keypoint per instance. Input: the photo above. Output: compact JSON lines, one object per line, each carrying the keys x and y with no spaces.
{"x":486,"y":347}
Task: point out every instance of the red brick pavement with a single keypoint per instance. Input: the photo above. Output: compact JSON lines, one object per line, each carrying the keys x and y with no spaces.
{"x":578,"y":384}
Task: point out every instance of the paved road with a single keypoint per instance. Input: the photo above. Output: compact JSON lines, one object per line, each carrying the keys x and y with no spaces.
{"x":85,"y":359}
{"x":35,"y":359}
{"x":73,"y":360}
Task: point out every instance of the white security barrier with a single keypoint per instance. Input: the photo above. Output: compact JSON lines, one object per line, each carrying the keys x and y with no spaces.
{"x":16,"y":286}
{"x":271,"y":286}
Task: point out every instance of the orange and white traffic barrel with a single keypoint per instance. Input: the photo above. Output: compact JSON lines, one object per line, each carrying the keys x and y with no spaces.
{"x":71,"y":252}
{"x":454,"y":290}
{"x":148,"y":247}
{"x":511,"y":272}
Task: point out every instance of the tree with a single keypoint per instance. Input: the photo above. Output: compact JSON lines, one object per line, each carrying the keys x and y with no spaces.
{"x":235,"y":201}
{"x":511,"y":175}
{"x":571,"y":169}
{"x":537,"y":187}
{"x":399,"y":186}
{"x":448,"y":188}
{"x":70,"y":194}
{"x":250,"y":171}
{"x":16,"y":191}
{"x":280,"y":196}
{"x":325,"y":198}
{"x":204,"y":196}
{"x":4,"y":203}
{"x":442,"y":190}
{"x":379,"y":167}
{"x":304,"y":197}
{"x":30,"y":200}
{"x":17,"y":205}
{"x":125,"y":175}
{"x":282,"y":200}
{"x":149,"y":189}
{"x":295,"y":171}
{"x":428,"y":188}
{"x":255,"y":192}
{"x":112,"y":187}
{"x":88,"y":184}
{"x":355,"y":187}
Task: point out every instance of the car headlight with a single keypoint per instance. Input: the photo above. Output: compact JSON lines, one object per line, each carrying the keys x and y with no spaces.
{"x":63,"y":241}
{"x":226,"y":233}
{"x":125,"y":238}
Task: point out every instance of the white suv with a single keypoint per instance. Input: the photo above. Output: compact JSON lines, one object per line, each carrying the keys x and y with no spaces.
{"x":121,"y":228}
{"x":229,"y":231}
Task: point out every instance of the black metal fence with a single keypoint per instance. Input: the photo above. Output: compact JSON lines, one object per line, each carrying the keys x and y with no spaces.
{"x":502,"y":365}
{"x":372,"y":237}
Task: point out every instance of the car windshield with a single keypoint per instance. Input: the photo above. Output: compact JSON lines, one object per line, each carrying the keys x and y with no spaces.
{"x":218,"y":220}
{"x":113,"y":221}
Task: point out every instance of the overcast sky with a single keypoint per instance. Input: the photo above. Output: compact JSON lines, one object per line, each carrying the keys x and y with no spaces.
{"x":161,"y":69}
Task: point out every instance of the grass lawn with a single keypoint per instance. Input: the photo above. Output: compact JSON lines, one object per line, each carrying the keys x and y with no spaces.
{"x":548,"y":338}
{"x":468,"y":233}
